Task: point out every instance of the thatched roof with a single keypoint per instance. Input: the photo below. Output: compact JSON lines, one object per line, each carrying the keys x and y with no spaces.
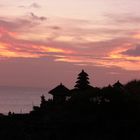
{"x":60,"y":90}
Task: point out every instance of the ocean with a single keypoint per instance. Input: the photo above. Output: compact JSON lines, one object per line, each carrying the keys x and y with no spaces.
{"x":20,"y":100}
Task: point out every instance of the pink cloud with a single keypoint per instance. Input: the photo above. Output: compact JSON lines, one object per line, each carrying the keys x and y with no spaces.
{"x":16,"y":42}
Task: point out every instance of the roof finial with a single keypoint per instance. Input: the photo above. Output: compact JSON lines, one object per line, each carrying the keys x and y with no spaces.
{"x":82,"y":71}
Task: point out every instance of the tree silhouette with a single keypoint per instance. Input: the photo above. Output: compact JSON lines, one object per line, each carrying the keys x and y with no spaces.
{"x":83,"y":81}
{"x":43,"y":102}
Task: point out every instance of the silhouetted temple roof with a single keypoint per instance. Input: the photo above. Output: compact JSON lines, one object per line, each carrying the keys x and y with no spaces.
{"x":118,"y":84}
{"x":83,"y":73}
{"x":59,"y":90}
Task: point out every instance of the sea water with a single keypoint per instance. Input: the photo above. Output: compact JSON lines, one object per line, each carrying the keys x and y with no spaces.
{"x":20,"y":100}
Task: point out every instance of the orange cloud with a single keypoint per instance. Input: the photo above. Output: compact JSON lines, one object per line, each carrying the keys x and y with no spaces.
{"x":136,"y":35}
{"x":117,"y":58}
{"x":76,"y":45}
{"x":5,"y":52}
{"x":51,"y":49}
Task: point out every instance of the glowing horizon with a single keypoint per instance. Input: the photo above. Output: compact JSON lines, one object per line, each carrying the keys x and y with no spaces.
{"x":95,"y":35}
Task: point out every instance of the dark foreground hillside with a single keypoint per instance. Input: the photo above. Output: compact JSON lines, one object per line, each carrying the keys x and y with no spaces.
{"x":98,"y":123}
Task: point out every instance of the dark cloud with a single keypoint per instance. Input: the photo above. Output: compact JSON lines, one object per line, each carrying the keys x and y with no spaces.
{"x":17,"y":24}
{"x":55,"y":27}
{"x":133,"y":52}
{"x":42,"y":18}
{"x":21,"y":24}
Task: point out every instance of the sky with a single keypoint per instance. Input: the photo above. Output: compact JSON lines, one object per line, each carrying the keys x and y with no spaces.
{"x":46,"y":42}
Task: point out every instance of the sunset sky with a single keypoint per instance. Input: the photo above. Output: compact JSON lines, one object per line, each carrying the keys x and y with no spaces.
{"x":45,"y":42}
